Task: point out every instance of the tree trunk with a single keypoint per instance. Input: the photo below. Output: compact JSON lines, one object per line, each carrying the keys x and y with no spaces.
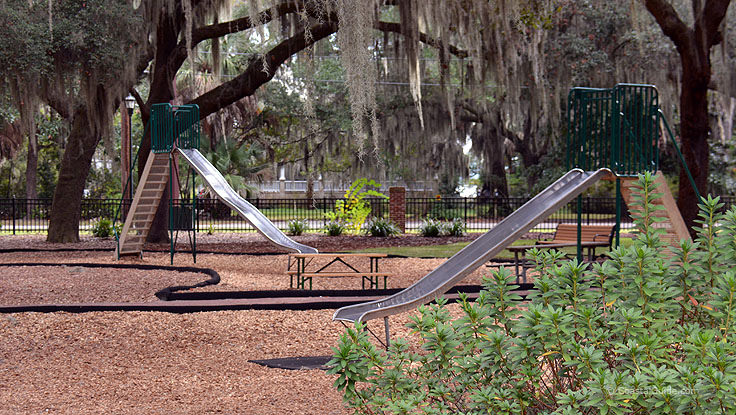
{"x":31,"y":170}
{"x":694,"y":130}
{"x":494,"y":160}
{"x":693,"y":45}
{"x":75,"y":165}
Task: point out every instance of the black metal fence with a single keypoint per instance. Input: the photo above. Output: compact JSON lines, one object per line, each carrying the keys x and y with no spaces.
{"x":481,"y":214}
{"x":32,"y":215}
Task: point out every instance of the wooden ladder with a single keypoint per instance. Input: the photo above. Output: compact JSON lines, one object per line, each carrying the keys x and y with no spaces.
{"x":673,"y":224}
{"x":145,"y":202}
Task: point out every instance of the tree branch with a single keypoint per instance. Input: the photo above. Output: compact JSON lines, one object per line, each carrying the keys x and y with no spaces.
{"x":713,"y":15}
{"x":670,"y":23}
{"x":423,"y":37}
{"x":238,"y":25}
{"x":256,"y":75}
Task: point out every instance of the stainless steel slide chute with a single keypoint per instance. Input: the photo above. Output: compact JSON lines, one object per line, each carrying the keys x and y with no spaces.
{"x":231,"y":198}
{"x":452,"y":271}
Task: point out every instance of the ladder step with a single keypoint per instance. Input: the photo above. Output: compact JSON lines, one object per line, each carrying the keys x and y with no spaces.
{"x":143,"y":218}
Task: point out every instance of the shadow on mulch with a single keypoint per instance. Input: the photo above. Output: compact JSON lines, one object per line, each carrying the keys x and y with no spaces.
{"x":296,"y":363}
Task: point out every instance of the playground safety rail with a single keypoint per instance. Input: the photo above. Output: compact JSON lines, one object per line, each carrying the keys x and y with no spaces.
{"x":614,"y":128}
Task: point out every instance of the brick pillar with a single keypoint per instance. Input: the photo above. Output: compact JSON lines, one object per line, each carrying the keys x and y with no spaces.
{"x":397,"y":206}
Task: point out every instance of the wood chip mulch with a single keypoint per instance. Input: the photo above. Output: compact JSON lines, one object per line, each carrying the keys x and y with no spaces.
{"x":153,"y":362}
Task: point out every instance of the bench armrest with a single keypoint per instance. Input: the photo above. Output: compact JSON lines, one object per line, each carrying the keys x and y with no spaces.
{"x":607,"y":236}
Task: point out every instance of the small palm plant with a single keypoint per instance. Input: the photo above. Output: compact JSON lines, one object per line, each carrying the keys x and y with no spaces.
{"x":238,"y":163}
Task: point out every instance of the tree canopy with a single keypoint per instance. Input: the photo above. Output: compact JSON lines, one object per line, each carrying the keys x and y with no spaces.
{"x":499,"y":72}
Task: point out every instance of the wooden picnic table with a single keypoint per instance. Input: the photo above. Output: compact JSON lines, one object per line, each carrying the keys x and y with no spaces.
{"x":307,"y":266}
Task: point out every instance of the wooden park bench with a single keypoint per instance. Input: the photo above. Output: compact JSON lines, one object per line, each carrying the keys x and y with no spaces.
{"x":307,"y":266}
{"x":566,"y":234}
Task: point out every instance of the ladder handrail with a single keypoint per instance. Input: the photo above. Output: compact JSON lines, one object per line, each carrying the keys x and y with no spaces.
{"x":661,"y":117}
{"x":128,"y":184}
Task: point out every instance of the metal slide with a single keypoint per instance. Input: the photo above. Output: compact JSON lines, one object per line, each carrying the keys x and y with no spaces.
{"x":452,"y":271}
{"x":230,"y":197}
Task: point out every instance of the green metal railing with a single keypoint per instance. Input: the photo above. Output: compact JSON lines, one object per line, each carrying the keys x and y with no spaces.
{"x":174,"y":124}
{"x":186,"y":126}
{"x":162,"y":131}
{"x":613,"y":128}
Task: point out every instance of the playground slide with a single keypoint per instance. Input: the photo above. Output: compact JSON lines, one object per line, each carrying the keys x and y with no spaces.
{"x":230,"y":197}
{"x":444,"y":277}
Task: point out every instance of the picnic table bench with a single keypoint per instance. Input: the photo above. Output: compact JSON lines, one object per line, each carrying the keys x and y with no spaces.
{"x":307,"y":266}
{"x":566,"y":234}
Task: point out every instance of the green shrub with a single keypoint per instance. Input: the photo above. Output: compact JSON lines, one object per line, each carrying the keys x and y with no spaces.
{"x":354,"y":210}
{"x":645,"y":332}
{"x":102,"y":228}
{"x":456,"y":227}
{"x":381,"y":227}
{"x":430,"y":227}
{"x":297,"y":227}
{"x":334,"y":228}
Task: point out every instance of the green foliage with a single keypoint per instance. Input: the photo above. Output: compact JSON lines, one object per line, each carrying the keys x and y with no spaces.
{"x":334,"y":228}
{"x":354,"y":209}
{"x":455,"y":227}
{"x":238,"y":162}
{"x":297,"y":227}
{"x":39,"y":41}
{"x":430,"y":227}
{"x":102,"y":228}
{"x":441,"y":209}
{"x":381,"y":227}
{"x":645,"y":332}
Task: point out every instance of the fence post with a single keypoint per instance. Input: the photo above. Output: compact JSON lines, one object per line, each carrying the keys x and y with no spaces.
{"x":465,"y":211}
{"x":324,"y":210}
{"x":13,"y":214}
{"x":397,"y":206}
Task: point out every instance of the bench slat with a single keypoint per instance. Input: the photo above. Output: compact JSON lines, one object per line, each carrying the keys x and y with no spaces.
{"x":567,"y":232}
{"x":350,"y":255}
{"x":340,"y":274}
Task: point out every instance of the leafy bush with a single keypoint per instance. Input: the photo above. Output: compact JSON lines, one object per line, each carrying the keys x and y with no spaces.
{"x":334,"y":228}
{"x":381,"y":227}
{"x":441,"y":209}
{"x":649,"y":331}
{"x":354,"y":210}
{"x":430,"y":227}
{"x":456,"y":227}
{"x":102,"y":228}
{"x":297,"y":227}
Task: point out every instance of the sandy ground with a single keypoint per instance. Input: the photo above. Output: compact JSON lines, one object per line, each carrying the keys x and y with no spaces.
{"x":151,"y":362}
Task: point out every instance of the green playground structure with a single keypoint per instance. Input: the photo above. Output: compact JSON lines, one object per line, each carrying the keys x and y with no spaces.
{"x":619,"y":129}
{"x":175,"y":130}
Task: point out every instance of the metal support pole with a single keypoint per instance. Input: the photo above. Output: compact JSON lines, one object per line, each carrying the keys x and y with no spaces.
{"x":388,"y":336}
{"x":618,"y":211}
{"x":130,"y":153}
{"x":580,"y":228}
{"x":194,"y":218}
{"x":171,"y":209}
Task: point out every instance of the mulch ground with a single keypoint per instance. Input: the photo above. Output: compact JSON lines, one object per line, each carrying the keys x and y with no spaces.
{"x":154,"y":362}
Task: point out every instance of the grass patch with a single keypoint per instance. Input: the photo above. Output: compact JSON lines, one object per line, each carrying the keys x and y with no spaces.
{"x":448,"y":250}
{"x":437,"y":251}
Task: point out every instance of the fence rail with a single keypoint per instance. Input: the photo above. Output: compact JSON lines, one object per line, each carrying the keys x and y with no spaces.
{"x":479,"y":214}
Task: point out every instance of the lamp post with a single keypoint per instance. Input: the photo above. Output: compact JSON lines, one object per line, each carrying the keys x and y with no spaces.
{"x":130,"y":105}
